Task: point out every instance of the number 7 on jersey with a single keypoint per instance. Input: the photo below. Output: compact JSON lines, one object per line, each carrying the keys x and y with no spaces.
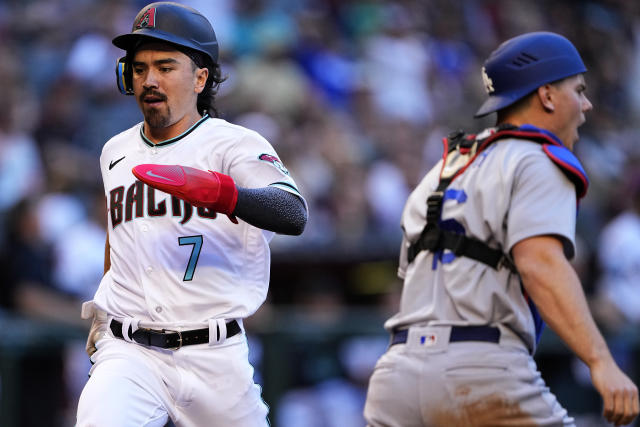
{"x":196,"y":241}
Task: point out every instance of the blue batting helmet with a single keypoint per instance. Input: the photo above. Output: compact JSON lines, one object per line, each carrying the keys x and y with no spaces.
{"x":173,"y":23}
{"x":524,"y":63}
{"x":170,"y":22}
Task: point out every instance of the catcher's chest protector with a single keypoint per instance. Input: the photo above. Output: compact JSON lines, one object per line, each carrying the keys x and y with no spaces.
{"x":460,"y":150}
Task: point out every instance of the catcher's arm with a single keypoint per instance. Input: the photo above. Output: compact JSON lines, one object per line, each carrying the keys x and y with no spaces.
{"x":555,"y":288}
{"x":268,"y":208}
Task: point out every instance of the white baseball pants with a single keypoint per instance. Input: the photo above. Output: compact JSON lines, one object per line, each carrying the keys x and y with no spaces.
{"x":198,"y":385}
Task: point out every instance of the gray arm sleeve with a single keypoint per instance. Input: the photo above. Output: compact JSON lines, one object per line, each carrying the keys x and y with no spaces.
{"x":271,"y":209}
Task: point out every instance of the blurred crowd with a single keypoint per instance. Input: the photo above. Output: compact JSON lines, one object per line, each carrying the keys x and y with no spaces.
{"x":355,"y":96}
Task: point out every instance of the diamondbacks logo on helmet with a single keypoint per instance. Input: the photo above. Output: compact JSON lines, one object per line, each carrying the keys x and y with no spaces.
{"x":147,"y":20}
{"x":274,"y":161}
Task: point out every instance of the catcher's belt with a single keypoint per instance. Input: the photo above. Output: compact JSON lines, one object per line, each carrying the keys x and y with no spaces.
{"x":458,"y":333}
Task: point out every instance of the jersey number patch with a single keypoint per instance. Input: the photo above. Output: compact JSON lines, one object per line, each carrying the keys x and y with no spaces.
{"x":196,"y":241}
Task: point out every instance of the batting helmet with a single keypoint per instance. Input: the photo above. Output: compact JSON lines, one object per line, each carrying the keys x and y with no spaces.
{"x":524,"y":63}
{"x":169,"y":22}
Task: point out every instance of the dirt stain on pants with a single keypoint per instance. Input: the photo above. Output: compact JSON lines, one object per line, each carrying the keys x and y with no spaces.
{"x":491,"y":411}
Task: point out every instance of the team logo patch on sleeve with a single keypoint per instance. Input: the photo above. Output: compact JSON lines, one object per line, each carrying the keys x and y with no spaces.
{"x":274,"y":161}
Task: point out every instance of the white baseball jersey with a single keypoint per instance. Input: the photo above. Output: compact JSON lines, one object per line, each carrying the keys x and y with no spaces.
{"x":171,"y":262}
{"x":512,"y":191}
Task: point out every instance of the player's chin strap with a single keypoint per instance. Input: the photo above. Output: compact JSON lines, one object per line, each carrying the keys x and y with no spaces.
{"x":459,"y":152}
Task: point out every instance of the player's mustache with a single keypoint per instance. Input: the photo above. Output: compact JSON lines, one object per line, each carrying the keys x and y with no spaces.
{"x":153,"y":94}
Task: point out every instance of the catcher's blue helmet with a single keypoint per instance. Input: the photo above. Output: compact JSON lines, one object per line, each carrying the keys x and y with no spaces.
{"x":524,"y":63}
{"x":170,"y":22}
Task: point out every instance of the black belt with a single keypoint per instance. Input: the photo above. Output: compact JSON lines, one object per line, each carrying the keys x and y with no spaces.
{"x":458,"y":333}
{"x":167,"y":338}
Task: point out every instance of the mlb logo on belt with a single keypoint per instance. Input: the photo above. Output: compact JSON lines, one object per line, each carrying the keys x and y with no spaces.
{"x":147,"y":20}
{"x":428,"y":340}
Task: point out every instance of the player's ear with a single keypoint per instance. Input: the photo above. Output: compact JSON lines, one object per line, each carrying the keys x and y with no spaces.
{"x":201,"y":76}
{"x":545,"y":96}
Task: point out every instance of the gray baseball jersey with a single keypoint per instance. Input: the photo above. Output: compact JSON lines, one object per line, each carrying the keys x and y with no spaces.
{"x":171,"y":262}
{"x":512,"y":191}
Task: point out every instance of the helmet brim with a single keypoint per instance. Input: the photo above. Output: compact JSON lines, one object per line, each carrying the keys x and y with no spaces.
{"x":126,"y":41}
{"x":130,"y":42}
{"x":495,"y":103}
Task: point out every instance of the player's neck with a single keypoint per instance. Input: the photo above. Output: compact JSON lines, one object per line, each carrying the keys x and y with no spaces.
{"x":160,"y":134}
{"x":525,"y":117}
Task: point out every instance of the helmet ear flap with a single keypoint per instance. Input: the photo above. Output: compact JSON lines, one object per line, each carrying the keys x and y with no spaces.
{"x":124,"y":76}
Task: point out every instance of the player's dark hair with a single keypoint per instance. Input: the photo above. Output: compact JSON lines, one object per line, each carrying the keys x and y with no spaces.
{"x":207,"y":98}
{"x":508,"y":111}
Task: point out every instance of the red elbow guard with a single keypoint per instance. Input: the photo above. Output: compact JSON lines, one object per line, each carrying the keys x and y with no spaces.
{"x":207,"y":189}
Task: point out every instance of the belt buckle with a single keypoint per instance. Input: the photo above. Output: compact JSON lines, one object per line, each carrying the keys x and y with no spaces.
{"x":179,"y":339}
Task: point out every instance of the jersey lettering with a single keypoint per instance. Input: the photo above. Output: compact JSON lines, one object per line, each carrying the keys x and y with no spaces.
{"x":152,"y":210}
{"x":176,"y":206}
{"x":442,"y":255}
{"x":115,"y":203}
{"x":446,"y":257}
{"x":206,"y":213}
{"x":121,"y":208}
{"x":188,"y":211}
{"x":134,"y":196}
{"x":176,"y":209}
{"x":458,"y":195}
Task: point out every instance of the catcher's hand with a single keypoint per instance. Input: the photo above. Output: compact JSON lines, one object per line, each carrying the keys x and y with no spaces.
{"x":207,"y":189}
{"x":619,"y":393}
{"x":98,"y":325}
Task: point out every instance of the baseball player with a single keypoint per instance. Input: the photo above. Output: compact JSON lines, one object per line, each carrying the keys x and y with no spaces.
{"x":193,"y":202}
{"x":487,"y":238}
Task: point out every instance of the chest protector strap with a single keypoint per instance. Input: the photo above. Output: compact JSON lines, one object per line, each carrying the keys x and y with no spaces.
{"x":459,"y":152}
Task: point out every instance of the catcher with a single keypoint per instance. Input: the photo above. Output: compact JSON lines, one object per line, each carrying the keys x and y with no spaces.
{"x":487,"y":238}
